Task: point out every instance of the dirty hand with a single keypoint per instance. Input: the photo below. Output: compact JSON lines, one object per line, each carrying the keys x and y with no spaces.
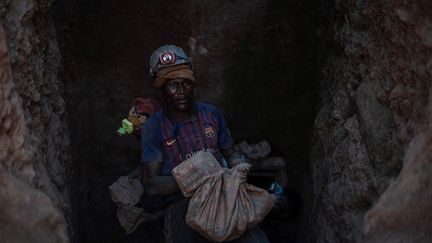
{"x":237,"y":158}
{"x":134,"y":174}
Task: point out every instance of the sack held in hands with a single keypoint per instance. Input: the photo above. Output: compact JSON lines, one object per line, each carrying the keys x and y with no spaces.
{"x":223,"y":206}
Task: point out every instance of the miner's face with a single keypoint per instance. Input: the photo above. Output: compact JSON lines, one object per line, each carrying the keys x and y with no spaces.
{"x":178,"y":94}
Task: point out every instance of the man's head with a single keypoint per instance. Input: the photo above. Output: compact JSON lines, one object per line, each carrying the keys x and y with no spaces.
{"x":171,"y":70}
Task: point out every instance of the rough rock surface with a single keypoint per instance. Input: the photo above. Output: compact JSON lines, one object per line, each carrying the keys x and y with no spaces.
{"x":404,"y":211}
{"x":34,"y":200}
{"x":374,"y":120}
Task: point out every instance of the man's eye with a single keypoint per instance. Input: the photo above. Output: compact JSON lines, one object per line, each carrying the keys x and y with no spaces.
{"x":187,"y":84}
{"x":172,"y":86}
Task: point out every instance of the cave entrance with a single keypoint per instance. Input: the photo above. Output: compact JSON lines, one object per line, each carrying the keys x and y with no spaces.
{"x":255,"y":60}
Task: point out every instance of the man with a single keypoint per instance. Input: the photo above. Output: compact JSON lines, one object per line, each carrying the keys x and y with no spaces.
{"x":173,"y":134}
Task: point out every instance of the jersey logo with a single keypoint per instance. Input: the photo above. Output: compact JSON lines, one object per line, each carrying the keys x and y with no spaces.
{"x":170,"y":141}
{"x":209,"y":132}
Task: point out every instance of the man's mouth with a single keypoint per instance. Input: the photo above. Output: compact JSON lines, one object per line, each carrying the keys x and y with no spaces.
{"x":182,"y":101}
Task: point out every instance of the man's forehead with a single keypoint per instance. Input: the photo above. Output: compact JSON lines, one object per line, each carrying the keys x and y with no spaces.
{"x":178,"y":80}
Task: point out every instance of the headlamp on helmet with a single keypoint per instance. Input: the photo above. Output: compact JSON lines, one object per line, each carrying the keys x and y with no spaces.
{"x":167,"y":55}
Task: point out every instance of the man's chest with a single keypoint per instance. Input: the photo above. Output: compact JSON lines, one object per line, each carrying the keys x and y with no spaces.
{"x":189,"y":136}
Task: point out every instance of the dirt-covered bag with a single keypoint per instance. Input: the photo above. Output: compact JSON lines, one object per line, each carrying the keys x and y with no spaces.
{"x":223,"y":206}
{"x":193,"y":172}
{"x":126,"y":192}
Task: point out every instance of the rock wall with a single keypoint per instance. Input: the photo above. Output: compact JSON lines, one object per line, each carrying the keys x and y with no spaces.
{"x":371,"y":146}
{"x":34,"y":151}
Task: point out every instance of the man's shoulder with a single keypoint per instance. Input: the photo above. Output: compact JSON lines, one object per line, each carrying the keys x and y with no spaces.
{"x":206,"y":107}
{"x":153,"y":122}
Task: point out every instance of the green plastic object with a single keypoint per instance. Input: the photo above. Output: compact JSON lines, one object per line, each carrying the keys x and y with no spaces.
{"x":126,"y":128}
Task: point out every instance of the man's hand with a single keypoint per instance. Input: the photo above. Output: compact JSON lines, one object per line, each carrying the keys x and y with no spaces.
{"x":236,"y":158}
{"x":136,"y":173}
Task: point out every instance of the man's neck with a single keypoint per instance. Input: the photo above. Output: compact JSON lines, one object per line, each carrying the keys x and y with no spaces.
{"x":175,"y":115}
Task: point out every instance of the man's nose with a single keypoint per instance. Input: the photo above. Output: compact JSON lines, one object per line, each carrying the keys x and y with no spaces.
{"x":180,"y":89}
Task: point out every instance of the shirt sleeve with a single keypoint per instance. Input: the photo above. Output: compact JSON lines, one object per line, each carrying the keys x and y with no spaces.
{"x":151,"y":149}
{"x":224,"y":137}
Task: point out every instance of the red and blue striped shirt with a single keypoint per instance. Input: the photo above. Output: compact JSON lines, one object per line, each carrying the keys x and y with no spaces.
{"x":175,"y":141}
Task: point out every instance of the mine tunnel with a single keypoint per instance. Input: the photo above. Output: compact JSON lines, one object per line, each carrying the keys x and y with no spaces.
{"x":341,"y":90}
{"x":255,"y":61}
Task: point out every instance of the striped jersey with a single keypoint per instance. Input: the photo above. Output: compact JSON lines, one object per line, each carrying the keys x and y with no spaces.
{"x":175,"y":141}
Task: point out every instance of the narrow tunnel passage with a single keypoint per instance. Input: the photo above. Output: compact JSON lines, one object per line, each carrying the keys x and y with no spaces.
{"x":254,"y":60}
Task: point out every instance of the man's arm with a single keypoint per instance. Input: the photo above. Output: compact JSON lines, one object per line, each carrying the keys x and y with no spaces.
{"x":228,"y":152}
{"x":155,"y":184}
{"x":150,"y":171}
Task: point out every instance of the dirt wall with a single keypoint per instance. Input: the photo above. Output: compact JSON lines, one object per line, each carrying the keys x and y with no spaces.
{"x":35,"y":204}
{"x":371,"y":133}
